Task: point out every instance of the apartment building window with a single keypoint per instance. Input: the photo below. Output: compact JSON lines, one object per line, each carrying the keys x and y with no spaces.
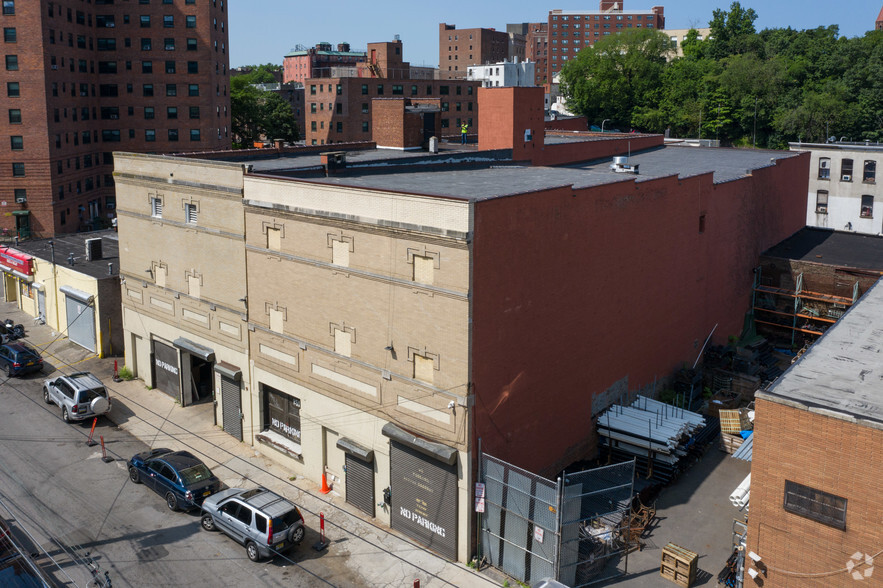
{"x":14,"y":116}
{"x":398,"y":89}
{"x":822,"y":201}
{"x":365,"y":128}
{"x":338,"y":108}
{"x":194,"y":135}
{"x":173,"y":134}
{"x":170,"y":67}
{"x":867,"y":210}
{"x":149,"y":113}
{"x":339,"y":127}
{"x":445,"y":106}
{"x":171,"y":89}
{"x":846,"y":170}
{"x":156,"y":206}
{"x":194,"y":112}
{"x":21,"y":195}
{"x":13,"y":90}
{"x":12,"y":62}
{"x":107,"y":44}
{"x":171,"y":112}
{"x":192,"y":67}
{"x":816,"y":505}
{"x":413,"y":90}
{"x":147,"y":67}
{"x":193,"y":90}
{"x":824,"y":168}
{"x":190,"y":22}
{"x":870,"y":173}
{"x":146,"y":44}
{"x":190,"y":213}
{"x":147,"y":90}
{"x":145,"y":21}
{"x":169,"y":44}
{"x":312,"y":125}
{"x":9,"y":35}
{"x":168,"y":21}
{"x":110,"y":135}
{"x":380,"y":89}
{"x":150,"y":135}
{"x":17,"y":143}
{"x":8,"y":7}
{"x":339,"y":90}
{"x":18,"y":169}
{"x":191,"y":45}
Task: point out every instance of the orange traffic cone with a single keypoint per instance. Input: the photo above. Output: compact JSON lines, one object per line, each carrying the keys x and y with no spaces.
{"x":325,"y":489}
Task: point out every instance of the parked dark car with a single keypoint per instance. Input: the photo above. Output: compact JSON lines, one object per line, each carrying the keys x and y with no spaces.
{"x":179,"y":476}
{"x":19,"y":358}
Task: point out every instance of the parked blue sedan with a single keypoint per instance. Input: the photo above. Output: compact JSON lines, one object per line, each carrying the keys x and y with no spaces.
{"x":179,"y":476}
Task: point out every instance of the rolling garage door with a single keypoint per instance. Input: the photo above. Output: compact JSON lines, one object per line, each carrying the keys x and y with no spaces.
{"x":423,"y":481}
{"x":359,"y":468}
{"x":80,"y":317}
{"x":165,"y":369}
{"x":231,"y":398}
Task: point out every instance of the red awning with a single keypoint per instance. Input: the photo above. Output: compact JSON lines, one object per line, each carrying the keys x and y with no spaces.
{"x":16,"y":261}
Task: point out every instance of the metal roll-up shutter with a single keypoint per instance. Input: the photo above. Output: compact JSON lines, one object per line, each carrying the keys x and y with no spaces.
{"x":360,"y":484}
{"x":165,"y":369}
{"x":424,"y":499}
{"x":80,"y":323}
{"x":231,"y":401}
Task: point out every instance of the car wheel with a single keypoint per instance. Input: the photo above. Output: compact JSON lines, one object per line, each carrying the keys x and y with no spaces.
{"x":208,"y":523}
{"x":64,"y":416}
{"x":46,"y":398}
{"x":134,"y":475}
{"x":8,"y":371}
{"x":251,"y":549}
{"x":297,"y":534}
{"x":171,"y":501}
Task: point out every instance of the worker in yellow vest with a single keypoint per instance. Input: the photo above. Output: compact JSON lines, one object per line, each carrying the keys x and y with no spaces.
{"x":463,"y":129}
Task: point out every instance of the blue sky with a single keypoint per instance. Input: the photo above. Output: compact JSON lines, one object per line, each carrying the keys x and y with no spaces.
{"x":263,"y":31}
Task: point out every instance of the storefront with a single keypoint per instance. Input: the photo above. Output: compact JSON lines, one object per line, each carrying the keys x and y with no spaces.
{"x":423,"y":484}
{"x":18,"y":272}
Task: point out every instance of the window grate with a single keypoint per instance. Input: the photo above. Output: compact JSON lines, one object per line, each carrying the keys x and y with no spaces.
{"x":816,"y":505}
{"x":190,"y":213}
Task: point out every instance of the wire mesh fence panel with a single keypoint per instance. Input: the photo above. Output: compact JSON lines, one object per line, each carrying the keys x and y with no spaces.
{"x":520,"y":526}
{"x":595,"y":524}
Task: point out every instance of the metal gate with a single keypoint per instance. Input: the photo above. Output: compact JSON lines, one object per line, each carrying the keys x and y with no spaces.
{"x":424,"y":499}
{"x":360,"y":484}
{"x":231,"y":403}
{"x":41,"y":304}
{"x":520,"y":525}
{"x":80,"y":322}
{"x":570,"y":530}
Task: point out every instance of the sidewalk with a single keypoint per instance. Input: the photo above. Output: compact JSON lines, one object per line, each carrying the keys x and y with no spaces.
{"x":374,"y":554}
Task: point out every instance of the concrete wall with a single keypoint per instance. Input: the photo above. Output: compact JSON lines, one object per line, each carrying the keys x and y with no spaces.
{"x":825,"y":453}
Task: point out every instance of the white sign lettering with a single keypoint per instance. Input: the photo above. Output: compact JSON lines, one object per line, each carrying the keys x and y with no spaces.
{"x":423,"y":522}
{"x":287,"y":429}
{"x":538,"y":534}
{"x":169,"y":368}
{"x":479,"y":497}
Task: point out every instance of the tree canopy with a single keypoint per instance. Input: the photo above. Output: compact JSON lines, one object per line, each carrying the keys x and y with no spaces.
{"x":257,"y":114}
{"x":741,"y":86}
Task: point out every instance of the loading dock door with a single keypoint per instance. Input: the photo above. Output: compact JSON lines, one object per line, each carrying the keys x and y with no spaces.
{"x":359,"y":472}
{"x":165,"y":369}
{"x":424,"y":499}
{"x":231,"y":403}
{"x":80,"y":320}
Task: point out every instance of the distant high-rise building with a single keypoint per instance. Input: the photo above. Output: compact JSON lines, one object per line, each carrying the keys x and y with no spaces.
{"x":82,"y":80}
{"x":458,"y":49}
{"x":301,"y":64}
{"x":570,"y":31}
{"x":536,"y":35}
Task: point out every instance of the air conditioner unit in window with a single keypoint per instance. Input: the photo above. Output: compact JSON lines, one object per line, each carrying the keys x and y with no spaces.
{"x":21,"y":199}
{"x":846,"y":178}
{"x":54,"y":67}
{"x":821,"y":209}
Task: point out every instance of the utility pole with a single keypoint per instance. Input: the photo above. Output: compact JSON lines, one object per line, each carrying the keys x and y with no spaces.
{"x":754,"y":137}
{"x":54,"y":284}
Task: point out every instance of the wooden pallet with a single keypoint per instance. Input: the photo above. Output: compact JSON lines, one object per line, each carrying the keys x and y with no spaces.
{"x":730,"y":442}
{"x":678,"y":565}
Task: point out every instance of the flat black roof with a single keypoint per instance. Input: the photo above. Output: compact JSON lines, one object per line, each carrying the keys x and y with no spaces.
{"x":829,"y":247}
{"x":75,"y":243}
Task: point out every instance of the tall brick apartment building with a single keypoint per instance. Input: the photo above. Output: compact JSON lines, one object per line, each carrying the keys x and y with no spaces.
{"x":536,"y":46}
{"x":458,"y":49}
{"x":320,"y":61}
{"x":816,"y":459}
{"x":81,"y":80}
{"x":339,"y":110}
{"x":570,"y":31}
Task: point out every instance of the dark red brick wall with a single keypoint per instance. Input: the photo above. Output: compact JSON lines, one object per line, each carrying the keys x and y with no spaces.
{"x":580,"y":123}
{"x":827,"y":454}
{"x":627,"y":286}
{"x":393,"y":127}
{"x":468,"y":47}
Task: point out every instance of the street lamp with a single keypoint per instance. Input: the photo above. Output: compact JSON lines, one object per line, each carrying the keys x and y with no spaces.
{"x":606,"y":120}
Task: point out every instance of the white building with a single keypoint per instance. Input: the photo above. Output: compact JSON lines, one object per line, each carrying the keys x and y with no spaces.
{"x":503,"y":74}
{"x":843,"y":188}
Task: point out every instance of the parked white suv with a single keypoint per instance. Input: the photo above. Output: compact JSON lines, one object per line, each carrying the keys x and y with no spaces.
{"x":80,"y":396}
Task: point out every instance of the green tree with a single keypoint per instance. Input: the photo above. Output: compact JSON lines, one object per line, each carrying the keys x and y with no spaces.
{"x":258,"y":114}
{"x":278,"y":119}
{"x":617,"y":75}
{"x":731,"y":32}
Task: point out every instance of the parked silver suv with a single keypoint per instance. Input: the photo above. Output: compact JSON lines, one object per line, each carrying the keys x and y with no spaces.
{"x":80,"y":396}
{"x":263,"y":521}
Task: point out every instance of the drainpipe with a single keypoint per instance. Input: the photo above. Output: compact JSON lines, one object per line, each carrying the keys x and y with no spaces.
{"x":55,"y":286}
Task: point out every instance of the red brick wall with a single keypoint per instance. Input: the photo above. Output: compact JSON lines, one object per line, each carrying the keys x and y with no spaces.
{"x":576,"y":289}
{"x":393,"y":126}
{"x":507,"y":113}
{"x":826,"y":454}
{"x":579,"y":123}
{"x":460,"y":48}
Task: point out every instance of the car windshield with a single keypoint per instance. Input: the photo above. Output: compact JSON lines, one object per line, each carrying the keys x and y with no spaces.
{"x":90,"y":395}
{"x":195,"y":474}
{"x":283,"y":522}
